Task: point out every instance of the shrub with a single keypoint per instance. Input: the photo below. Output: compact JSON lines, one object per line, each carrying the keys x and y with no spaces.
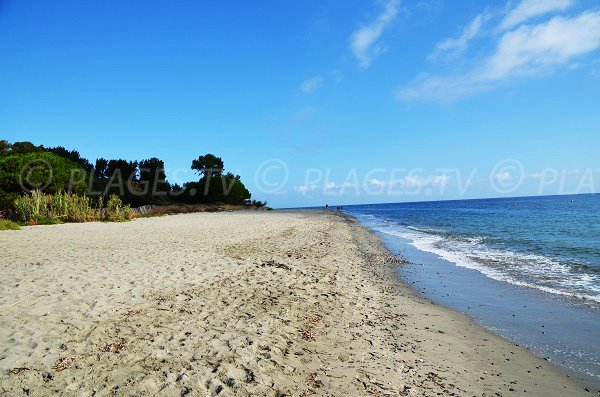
{"x":8,"y":225}
{"x":29,"y":209}
{"x":45,"y":209}
{"x":78,"y":208}
{"x":115,"y":211}
{"x":47,"y":220}
{"x":258,"y":203}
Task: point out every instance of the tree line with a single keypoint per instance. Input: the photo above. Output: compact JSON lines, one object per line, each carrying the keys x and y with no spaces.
{"x":25,"y":167}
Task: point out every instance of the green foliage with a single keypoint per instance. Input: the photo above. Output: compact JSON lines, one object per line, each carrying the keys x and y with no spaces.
{"x":7,"y":200}
{"x":226,"y":189}
{"x":40,"y":169}
{"x":47,"y":220}
{"x":4,"y":148}
{"x":208,"y":165}
{"x":73,"y":156}
{"x":38,"y":208}
{"x":8,"y":225}
{"x":101,"y":169}
{"x":42,"y":209}
{"x":115,"y":211}
{"x":258,"y":203}
{"x":153,"y":181}
{"x":25,"y":167}
{"x":24,"y":148}
{"x":75,"y":208}
{"x":31,"y":208}
{"x":117,"y":177}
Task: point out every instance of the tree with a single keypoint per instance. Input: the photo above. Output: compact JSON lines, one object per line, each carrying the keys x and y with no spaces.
{"x":24,"y":148}
{"x":152,"y":174}
{"x":118,"y":177}
{"x":20,"y":173}
{"x":123,"y":169}
{"x":4,"y":148}
{"x":208,"y":165}
{"x":101,"y":169}
{"x":72,"y":155}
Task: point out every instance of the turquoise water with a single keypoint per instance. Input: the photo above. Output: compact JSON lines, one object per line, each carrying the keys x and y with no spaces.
{"x":550,"y":243}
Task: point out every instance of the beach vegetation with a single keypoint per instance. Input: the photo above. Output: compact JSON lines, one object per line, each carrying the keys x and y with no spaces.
{"x":40,"y":170}
{"x":115,"y":211}
{"x":39,"y":208}
{"x":5,"y":224}
{"x":40,"y":185}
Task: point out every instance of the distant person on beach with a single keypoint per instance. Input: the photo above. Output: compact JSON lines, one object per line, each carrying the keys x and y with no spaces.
{"x":326,"y":206}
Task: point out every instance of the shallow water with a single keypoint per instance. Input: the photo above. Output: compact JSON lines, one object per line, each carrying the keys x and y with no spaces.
{"x":549,"y":243}
{"x":527,"y":268}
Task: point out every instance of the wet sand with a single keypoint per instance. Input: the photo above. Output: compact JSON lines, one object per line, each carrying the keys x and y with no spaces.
{"x":241,"y":303}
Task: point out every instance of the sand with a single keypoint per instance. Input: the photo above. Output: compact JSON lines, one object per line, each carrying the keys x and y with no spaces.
{"x":241,"y":303}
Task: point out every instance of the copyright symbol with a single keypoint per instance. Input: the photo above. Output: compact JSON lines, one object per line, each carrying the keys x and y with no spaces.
{"x":507,"y":175}
{"x":271,"y":176}
{"x":35,"y":175}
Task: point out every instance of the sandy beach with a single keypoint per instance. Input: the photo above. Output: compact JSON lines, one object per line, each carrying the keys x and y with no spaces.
{"x":281,"y":303}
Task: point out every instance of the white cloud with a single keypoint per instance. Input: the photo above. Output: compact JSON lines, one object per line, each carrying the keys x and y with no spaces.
{"x":460,"y":44}
{"x":527,"y":50}
{"x":504,"y":176}
{"x":528,"y":9}
{"x":311,"y":85}
{"x":412,"y":181}
{"x":420,"y":182}
{"x":303,"y":189}
{"x":376,"y":182}
{"x":363,"y":41}
{"x":330,"y":186}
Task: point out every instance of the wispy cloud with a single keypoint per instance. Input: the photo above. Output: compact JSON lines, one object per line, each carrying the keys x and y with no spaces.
{"x":524,"y":51}
{"x":534,"y":47}
{"x":363,"y":41}
{"x":406,"y":184}
{"x":412,"y":182}
{"x":457,"y":45}
{"x":311,"y":85}
{"x":336,"y":76}
{"x":303,"y":114}
{"x":528,"y":9}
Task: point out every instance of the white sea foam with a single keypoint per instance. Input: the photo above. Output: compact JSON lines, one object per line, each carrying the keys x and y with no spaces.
{"x":527,"y":270}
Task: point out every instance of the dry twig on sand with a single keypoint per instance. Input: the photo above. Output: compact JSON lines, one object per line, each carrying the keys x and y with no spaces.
{"x":19,"y":371}
{"x":65,"y":362}
{"x":114,"y":347}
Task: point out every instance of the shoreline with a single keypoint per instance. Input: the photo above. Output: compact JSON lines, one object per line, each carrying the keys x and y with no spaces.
{"x":293,"y":303}
{"x":467,"y":322}
{"x":555,"y":329}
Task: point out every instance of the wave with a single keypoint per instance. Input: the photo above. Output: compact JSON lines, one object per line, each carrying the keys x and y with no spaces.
{"x":428,"y":231}
{"x":522,"y":269}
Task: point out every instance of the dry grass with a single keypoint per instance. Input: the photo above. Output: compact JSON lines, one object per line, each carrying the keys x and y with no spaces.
{"x":39,"y":208}
{"x":160,"y":210}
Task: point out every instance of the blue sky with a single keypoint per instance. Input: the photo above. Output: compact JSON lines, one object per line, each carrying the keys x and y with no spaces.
{"x":313,"y":102}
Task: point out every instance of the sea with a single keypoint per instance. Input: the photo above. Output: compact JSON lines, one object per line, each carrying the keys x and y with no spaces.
{"x":526,"y":268}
